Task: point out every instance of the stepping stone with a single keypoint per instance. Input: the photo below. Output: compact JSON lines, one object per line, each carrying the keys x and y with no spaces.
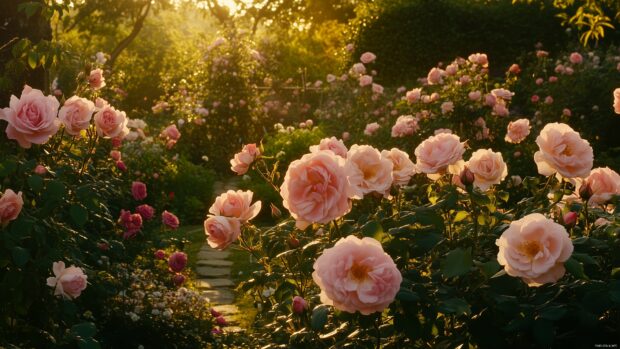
{"x":215,"y":262}
{"x":212,"y":283}
{"x":219,"y":296}
{"x":212,"y":271}
{"x":227,"y":309}
{"x":212,"y":254}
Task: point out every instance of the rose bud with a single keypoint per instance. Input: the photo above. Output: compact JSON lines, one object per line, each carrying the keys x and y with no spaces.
{"x":121,"y":166}
{"x":221,"y":321}
{"x":569,"y":219}
{"x":215,"y":313}
{"x":467,"y":177}
{"x":585,"y":192}
{"x":178,"y":279}
{"x":275,"y":211}
{"x":299,"y":305}
{"x":103,"y":246}
{"x":293,"y":242}
{"x":160,"y":254}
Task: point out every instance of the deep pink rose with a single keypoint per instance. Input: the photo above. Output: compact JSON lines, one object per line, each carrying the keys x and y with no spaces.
{"x":160,"y":254}
{"x":131,"y":222}
{"x":177,"y":261}
{"x":67,"y":282}
{"x":236,"y":204}
{"x":170,"y":220}
{"x":10,"y":206}
{"x":575,"y":58}
{"x":221,"y":231}
{"x":121,"y":166}
{"x":178,"y":279}
{"x":115,"y":155}
{"x":96,"y":79}
{"x":138,"y":190}
{"x":299,"y":305}
{"x":32,"y":117}
{"x":146,"y":211}
{"x":75,"y":114}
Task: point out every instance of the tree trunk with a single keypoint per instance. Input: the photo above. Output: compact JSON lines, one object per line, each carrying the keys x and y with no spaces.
{"x":129,"y":39}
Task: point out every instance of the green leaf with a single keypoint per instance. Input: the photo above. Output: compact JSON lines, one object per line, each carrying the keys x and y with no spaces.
{"x":372,"y":229}
{"x":460,"y":216}
{"x":584,"y":258}
{"x":7,"y":167}
{"x":20,"y":256}
{"x":33,"y":59}
{"x":36,"y":183}
{"x":319,"y":317}
{"x":78,"y":214}
{"x":575,"y":267}
{"x":85,"y":330}
{"x":457,"y":262}
{"x":454,"y":306}
{"x":543,"y":332}
{"x":89,"y":343}
{"x":55,"y":191}
{"x":490,"y":268}
{"x":407,"y":295}
{"x":554,"y":313}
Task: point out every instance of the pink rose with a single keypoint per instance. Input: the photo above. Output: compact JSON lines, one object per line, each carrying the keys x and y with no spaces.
{"x":490,"y":100}
{"x":170,"y":220}
{"x":159,"y":254}
{"x":440,"y":154}
{"x":368,"y":171}
{"x":358,"y":68}
{"x":405,"y":125}
{"x":345,"y":136}
{"x":333,"y":144}
{"x":553,"y":79}
{"x":178,"y":279}
{"x":517,"y":131}
{"x":548,"y":100}
{"x":31,"y":118}
{"x":316,"y":189}
{"x":617,"y":101}
{"x":567,"y":112}
{"x":488,"y":168}
{"x":365,"y":80}
{"x":442,"y":130}
{"x":177,"y":261}
{"x":171,"y":132}
{"x":535,"y":98}
{"x":236,"y":204}
{"x":241,"y":161}
{"x":371,"y":129}
{"x":10,"y":206}
{"x":474,"y":95}
{"x":147,"y":212}
{"x":575,"y":58}
{"x":434,"y":76}
{"x":541,"y":53}
{"x":562,"y":150}
{"x":138,"y":190}
{"x":131,"y":222}
{"x":452,"y":69}
{"x":534,"y":248}
{"x":502,"y":93}
{"x":299,"y":305}
{"x":75,"y":114}
{"x":111,"y":123}
{"x":403,"y":168}
{"x":367,"y":57}
{"x":96,"y":79}
{"x":221,"y":231}
{"x":447,"y":107}
{"x":514,"y":69}
{"x":413,"y":95}
{"x":479,"y":58}
{"x":40,"y":170}
{"x":115,"y":155}
{"x":604,"y":183}
{"x":357,"y":275}
{"x":378,"y":89}
{"x":67,"y":282}
{"x":121,"y":166}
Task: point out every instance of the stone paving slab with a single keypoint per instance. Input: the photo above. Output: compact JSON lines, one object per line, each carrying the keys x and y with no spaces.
{"x":215,"y":262}
{"x":212,"y":254}
{"x":227,"y":309}
{"x":219,"y":296}
{"x":213,"y":283}
{"x":212,"y":271}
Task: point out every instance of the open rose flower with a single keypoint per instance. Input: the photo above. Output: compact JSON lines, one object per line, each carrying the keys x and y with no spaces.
{"x":316,"y":189}
{"x":67,"y":282}
{"x":365,"y":80}
{"x":221,"y":231}
{"x":171,"y":132}
{"x":479,"y":58}
{"x":604,"y":183}
{"x":241,"y":162}
{"x":111,"y":123}
{"x":131,"y":222}
{"x":146,"y":211}
{"x":534,"y":248}
{"x":435,"y":76}
{"x":371,"y":129}
{"x":32,"y":117}
{"x":403,"y":168}
{"x":138,"y":190}
{"x":575,"y":58}
{"x":488,"y":168}
{"x":357,"y":275}
{"x":563,"y":151}
{"x":405,"y":125}
{"x":334,"y":144}
{"x":236,"y":204}
{"x":170,"y":220}
{"x":440,"y":154}
{"x":75,"y":114}
{"x":368,"y":171}
{"x":617,"y":100}
{"x":177,"y":261}
{"x":10,"y":206}
{"x":517,"y":131}
{"x":367,"y":57}
{"x":96,"y":79}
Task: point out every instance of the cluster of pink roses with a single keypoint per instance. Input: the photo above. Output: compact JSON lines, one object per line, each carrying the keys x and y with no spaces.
{"x":132,"y":222}
{"x":229,"y":211}
{"x":241,"y":162}
{"x":177,"y":261}
{"x":171,"y":134}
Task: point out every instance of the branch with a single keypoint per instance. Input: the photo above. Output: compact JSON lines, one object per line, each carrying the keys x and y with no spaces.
{"x":127,"y":41}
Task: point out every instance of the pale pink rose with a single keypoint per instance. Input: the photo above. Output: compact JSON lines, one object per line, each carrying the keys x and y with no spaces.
{"x":514,"y":69}
{"x":502,"y":93}
{"x":10,"y":206}
{"x":480,"y":122}
{"x":236,"y":204}
{"x":479,"y":58}
{"x":534,"y":248}
{"x":111,"y":123}
{"x":464,"y":80}
{"x":368,"y":57}
{"x":541,"y":53}
{"x":488,"y":168}
{"x":575,"y":58}
{"x":403,"y":168}
{"x":177,"y":261}
{"x":562,"y":150}
{"x":568,"y":71}
{"x":349,"y":47}
{"x":474,"y":95}
{"x":560,"y":69}
{"x":413,"y":95}
{"x":371,"y":129}
{"x":147,"y":212}
{"x":440,"y":154}
{"x":517,"y":131}
{"x":67,"y":282}
{"x":567,"y":112}
{"x":553,"y":79}
{"x":345,"y":136}
{"x":617,"y":101}
{"x":490,"y":100}
{"x":96,"y":79}
{"x":357,"y":275}
{"x":221,"y":231}
{"x":442,"y":130}
{"x":171,"y":132}
{"x":241,"y":161}
{"x":368,"y":171}
{"x":447,"y":107}
{"x":170,"y":220}
{"x":378,"y":89}
{"x":405,"y":125}
{"x":40,"y":170}
{"x":365,"y":80}
{"x":75,"y":114}
{"x":435,"y":76}
{"x":330,"y":78}
{"x":604,"y":183}
{"x":548,"y":100}
{"x":601,"y":221}
{"x":138,"y":190}
{"x":500,"y":109}
{"x":32,"y":117}
{"x":316,"y":189}
{"x":358,"y":68}
{"x":115,"y":155}
{"x":452,"y":69}
{"x":333,"y":144}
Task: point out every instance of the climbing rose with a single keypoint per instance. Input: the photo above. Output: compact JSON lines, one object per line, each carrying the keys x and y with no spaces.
{"x":32,"y":117}
{"x":356,"y":275}
{"x":10,"y":206}
{"x":403,"y":168}
{"x":138,"y":190}
{"x":75,"y":114}
{"x":517,"y":131}
{"x":170,"y":220}
{"x":368,"y":171}
{"x":241,"y":162}
{"x":488,"y":168}
{"x":236,"y":204}
{"x":177,"y":261}
{"x":604,"y":183}
{"x":221,"y":231}
{"x":534,"y":248}
{"x":67,"y":282}
{"x":334,"y":144}
{"x":562,"y":150}
{"x":440,"y":154}
{"x":96,"y":79}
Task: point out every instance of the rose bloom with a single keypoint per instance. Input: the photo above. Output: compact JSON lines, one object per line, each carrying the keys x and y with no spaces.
{"x":40,"y":170}
{"x":96,"y":79}
{"x":147,"y":212}
{"x":575,"y":58}
{"x":514,"y":69}
{"x":413,"y":95}
{"x":10,"y":206}
{"x":358,"y":68}
{"x":452,"y":69}
{"x":316,"y":189}
{"x":371,"y":129}
{"x":170,"y":220}
{"x":345,"y":136}
{"x":502,"y":93}
{"x":330,"y":78}
{"x":115,"y":155}
{"x":138,"y":190}
{"x":517,"y":131}
{"x":67,"y":282}
{"x":368,"y":171}
{"x":75,"y":114}
{"x":357,"y":275}
{"x":434,"y":76}
{"x":479,"y":58}
{"x":562,"y":150}
{"x":159,"y":254}
{"x":241,"y":162}
{"x":500,"y":109}
{"x":31,"y":118}
{"x":299,"y":305}
{"x":221,"y":231}
{"x":131,"y":222}
{"x":534,"y":248}
{"x":474,"y":95}
{"x":447,"y":107}
{"x":488,"y":168}
{"x":442,"y":130}
{"x":111,"y":123}
{"x":617,"y":101}
{"x":604,"y":183}
{"x":405,"y":125}
{"x":439,"y":154}
{"x":365,"y":80}
{"x":367,"y":57}
{"x":177,"y":261}
{"x":236,"y":204}
{"x":403,"y":168}
{"x":378,"y":89}
{"x":171,"y":132}
{"x":333,"y":144}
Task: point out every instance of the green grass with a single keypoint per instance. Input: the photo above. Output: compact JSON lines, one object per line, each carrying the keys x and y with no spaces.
{"x":241,"y":269}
